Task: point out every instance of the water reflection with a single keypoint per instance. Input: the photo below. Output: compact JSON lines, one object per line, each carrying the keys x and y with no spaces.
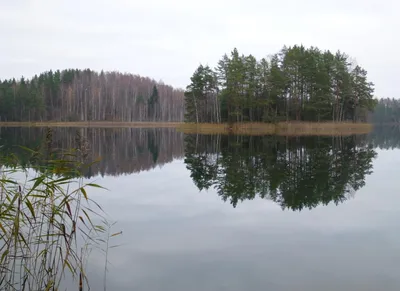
{"x":296,"y":173}
{"x":124,"y":151}
{"x":175,"y":238}
{"x":119,"y":151}
{"x":170,"y":229}
{"x":385,"y":137}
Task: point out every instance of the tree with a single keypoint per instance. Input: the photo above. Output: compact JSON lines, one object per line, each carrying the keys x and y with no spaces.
{"x":153,"y":102}
{"x":201,"y":100}
{"x":387,"y":111}
{"x":298,"y":83}
{"x":83,"y":95}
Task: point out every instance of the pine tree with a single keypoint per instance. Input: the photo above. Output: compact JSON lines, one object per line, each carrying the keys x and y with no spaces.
{"x":296,"y":84}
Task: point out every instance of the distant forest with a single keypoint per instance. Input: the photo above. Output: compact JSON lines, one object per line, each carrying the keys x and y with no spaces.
{"x":83,"y":95}
{"x":295,"y":84}
{"x":387,"y":111}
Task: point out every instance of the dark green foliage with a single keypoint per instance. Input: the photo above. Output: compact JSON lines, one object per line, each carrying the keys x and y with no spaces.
{"x":296,"y":173}
{"x":296,"y":84}
{"x":153,"y":102}
{"x":200,"y":97}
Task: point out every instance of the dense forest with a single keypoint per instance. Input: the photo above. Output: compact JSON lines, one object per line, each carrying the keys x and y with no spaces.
{"x":296,"y":84}
{"x":387,"y":111}
{"x":84,"y":95}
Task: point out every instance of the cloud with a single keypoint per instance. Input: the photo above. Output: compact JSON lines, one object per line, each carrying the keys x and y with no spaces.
{"x":168,"y":39}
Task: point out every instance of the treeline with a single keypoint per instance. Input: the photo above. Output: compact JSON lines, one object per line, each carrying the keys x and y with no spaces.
{"x":118,"y":151}
{"x":387,"y":111}
{"x":294,"y":172}
{"x":85,"y":95}
{"x":295,"y":84}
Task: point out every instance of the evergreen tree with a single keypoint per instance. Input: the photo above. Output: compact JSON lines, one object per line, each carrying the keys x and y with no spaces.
{"x":201,"y":97}
{"x":153,"y":101}
{"x":298,"y":83}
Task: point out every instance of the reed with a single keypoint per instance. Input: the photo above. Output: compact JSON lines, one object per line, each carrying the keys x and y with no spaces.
{"x":246,"y":128}
{"x":47,"y":224}
{"x":282,"y":128}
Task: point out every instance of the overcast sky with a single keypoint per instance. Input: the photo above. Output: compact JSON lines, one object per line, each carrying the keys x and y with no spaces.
{"x":168,"y":39}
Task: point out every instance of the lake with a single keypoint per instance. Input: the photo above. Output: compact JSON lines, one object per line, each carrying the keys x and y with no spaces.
{"x":214,"y":212}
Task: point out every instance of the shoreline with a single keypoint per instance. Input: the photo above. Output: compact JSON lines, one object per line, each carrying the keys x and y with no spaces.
{"x":293,"y":128}
{"x":282,"y":128}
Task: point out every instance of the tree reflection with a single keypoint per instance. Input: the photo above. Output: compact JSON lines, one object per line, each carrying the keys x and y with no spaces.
{"x":296,"y":173}
{"x":385,"y":137}
{"x":119,"y":151}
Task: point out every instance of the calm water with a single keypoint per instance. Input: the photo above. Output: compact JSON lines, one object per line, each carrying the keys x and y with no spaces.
{"x":241,"y":213}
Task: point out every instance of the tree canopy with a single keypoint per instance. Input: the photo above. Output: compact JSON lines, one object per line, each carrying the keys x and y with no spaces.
{"x":297,"y":83}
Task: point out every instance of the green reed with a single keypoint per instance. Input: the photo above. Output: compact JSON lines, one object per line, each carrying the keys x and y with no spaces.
{"x":47,"y":219}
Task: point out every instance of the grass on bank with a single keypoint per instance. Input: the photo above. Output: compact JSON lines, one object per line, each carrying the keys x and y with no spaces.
{"x":247,"y":128}
{"x":282,"y":128}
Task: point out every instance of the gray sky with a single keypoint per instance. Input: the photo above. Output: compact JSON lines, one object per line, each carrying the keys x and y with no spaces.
{"x":168,"y":39}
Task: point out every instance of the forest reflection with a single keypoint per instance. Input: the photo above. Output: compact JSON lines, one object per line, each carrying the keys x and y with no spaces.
{"x":240,"y":167}
{"x":385,"y":137}
{"x":118,"y":151}
{"x":295,"y":172}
